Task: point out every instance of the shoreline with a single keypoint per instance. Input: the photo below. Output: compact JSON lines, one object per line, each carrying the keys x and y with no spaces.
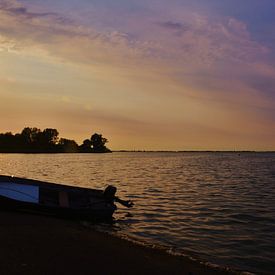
{"x":32,"y":244}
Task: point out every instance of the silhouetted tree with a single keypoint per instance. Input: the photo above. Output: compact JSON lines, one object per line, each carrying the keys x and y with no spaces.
{"x":47,"y":140}
{"x":29,"y":139}
{"x":7,"y":142}
{"x":86,"y":146}
{"x":50,"y":136}
{"x":33,"y":140}
{"x":67,"y":146}
{"x":98,"y":144}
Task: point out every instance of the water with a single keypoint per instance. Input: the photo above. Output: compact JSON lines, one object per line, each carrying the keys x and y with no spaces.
{"x":216,"y":207}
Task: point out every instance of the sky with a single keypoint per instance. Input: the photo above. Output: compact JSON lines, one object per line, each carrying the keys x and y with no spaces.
{"x":147,"y":75}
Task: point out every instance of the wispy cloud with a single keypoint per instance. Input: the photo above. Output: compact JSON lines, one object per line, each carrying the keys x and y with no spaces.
{"x":8,"y":44}
{"x":197,"y":40}
{"x":15,"y":8}
{"x":178,"y":48}
{"x":174,"y":26}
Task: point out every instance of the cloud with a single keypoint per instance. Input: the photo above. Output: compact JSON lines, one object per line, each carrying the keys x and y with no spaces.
{"x":195,"y":39}
{"x":176,"y":26}
{"x":7,"y":44}
{"x":15,"y":8}
{"x":177,"y":48}
{"x":63,"y":38}
{"x":211,"y":65}
{"x":202,"y":40}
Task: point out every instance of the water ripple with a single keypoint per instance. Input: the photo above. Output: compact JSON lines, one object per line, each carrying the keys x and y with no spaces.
{"x":217,"y":207}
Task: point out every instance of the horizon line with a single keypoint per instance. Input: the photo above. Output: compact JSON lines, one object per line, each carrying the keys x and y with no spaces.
{"x":198,"y":151}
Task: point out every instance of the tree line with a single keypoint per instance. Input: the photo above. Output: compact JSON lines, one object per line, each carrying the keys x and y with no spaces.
{"x":33,"y":140}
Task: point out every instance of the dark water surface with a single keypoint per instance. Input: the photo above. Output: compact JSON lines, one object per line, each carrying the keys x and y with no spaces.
{"x":217,"y":207}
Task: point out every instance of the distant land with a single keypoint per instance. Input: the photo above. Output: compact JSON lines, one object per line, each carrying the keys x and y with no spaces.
{"x":192,"y":151}
{"x":33,"y":140}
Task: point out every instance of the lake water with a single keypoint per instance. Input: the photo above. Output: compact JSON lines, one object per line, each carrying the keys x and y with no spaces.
{"x":215,"y":207}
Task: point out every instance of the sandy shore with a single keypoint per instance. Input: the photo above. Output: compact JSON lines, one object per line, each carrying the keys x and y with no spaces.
{"x":31,"y":244}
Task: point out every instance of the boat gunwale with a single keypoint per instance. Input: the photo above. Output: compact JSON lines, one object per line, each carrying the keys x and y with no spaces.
{"x":46,"y":184}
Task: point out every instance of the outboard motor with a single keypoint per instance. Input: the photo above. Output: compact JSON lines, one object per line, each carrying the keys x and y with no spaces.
{"x":109,"y":192}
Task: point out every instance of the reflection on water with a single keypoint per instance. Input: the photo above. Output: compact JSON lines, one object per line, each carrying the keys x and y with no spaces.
{"x":218,"y":207}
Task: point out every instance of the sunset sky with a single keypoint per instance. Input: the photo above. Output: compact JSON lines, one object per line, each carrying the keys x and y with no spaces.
{"x":147,"y":74}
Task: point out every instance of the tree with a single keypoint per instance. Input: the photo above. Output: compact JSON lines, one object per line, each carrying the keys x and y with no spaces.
{"x":98,"y":144}
{"x":29,"y":135}
{"x":33,"y":140}
{"x":50,"y":136}
{"x":67,"y":146}
{"x":29,"y":139}
{"x":86,"y":146}
{"x":7,"y":142}
{"x":47,"y":140}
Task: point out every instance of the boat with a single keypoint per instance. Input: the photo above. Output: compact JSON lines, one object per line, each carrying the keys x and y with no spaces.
{"x":29,"y":195}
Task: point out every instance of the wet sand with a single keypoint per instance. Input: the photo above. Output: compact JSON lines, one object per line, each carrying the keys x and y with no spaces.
{"x":31,"y":244}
